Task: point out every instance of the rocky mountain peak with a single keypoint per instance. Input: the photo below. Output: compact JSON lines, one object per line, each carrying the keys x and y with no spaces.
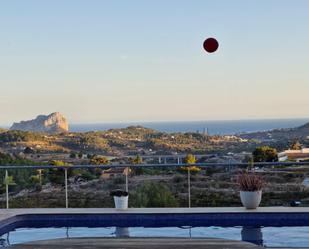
{"x":52,"y":123}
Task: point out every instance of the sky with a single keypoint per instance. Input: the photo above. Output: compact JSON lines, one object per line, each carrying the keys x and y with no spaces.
{"x":140,"y":60}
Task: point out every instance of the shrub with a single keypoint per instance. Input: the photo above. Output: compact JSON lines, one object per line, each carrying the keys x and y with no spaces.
{"x":99,"y":160}
{"x":250,"y":181}
{"x":55,"y":174}
{"x":154,"y":195}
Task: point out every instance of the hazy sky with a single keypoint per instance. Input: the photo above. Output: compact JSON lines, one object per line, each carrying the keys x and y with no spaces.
{"x":99,"y":61}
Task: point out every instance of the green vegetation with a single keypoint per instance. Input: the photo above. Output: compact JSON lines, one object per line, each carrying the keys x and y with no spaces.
{"x":57,"y":175}
{"x":2,"y":130}
{"x":190,"y":159}
{"x":154,"y":195}
{"x":6,"y":159}
{"x":99,"y":160}
{"x":265,"y":154}
{"x":21,"y":176}
{"x":137,"y":160}
{"x":20,"y":136}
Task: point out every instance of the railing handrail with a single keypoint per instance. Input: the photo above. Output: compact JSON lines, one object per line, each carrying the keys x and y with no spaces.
{"x":165,"y":165}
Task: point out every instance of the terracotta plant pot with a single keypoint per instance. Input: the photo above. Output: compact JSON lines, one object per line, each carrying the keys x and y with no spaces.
{"x":251,"y":199}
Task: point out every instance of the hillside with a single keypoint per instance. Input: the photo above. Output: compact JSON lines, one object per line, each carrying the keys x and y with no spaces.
{"x":131,"y":140}
{"x":301,"y":132}
{"x":304,"y":128}
{"x":2,"y":130}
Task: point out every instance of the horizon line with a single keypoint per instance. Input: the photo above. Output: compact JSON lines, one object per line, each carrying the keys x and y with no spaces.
{"x":5,"y":126}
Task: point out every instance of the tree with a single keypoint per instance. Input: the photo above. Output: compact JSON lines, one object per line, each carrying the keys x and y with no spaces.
{"x":190,"y":159}
{"x":265,"y":154}
{"x":29,"y":150}
{"x":296,"y":145}
{"x":58,"y":163}
{"x":73,"y":155}
{"x":137,"y":160}
{"x":99,"y":160}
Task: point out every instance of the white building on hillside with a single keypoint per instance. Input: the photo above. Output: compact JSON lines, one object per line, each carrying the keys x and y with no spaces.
{"x":294,"y":155}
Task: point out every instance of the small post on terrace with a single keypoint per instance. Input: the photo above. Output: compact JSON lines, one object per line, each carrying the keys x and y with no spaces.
{"x":66,"y":187}
{"x":189,"y":187}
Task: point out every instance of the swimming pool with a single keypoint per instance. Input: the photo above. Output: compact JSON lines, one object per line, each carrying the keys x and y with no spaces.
{"x":267,"y":236}
{"x":272,"y":227}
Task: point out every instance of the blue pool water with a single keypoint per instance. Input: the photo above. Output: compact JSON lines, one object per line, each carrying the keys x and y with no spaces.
{"x":267,"y":236}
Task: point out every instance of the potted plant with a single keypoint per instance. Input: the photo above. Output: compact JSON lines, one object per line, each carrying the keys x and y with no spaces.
{"x":250,"y":185}
{"x":120,"y":198}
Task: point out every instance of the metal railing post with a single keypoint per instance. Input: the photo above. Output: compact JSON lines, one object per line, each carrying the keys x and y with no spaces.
{"x":66,"y":188}
{"x":189,"y":187}
{"x":127,"y":183}
{"x":40,"y":176}
{"x":7,"y":189}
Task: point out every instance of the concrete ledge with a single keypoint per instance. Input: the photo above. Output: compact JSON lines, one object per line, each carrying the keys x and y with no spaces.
{"x":136,"y":243}
{"x":10,"y":212}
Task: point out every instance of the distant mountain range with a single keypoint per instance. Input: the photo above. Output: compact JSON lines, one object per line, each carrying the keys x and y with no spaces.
{"x":290,"y":133}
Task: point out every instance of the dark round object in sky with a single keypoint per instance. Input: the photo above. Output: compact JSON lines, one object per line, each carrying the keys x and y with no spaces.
{"x":211,"y":45}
